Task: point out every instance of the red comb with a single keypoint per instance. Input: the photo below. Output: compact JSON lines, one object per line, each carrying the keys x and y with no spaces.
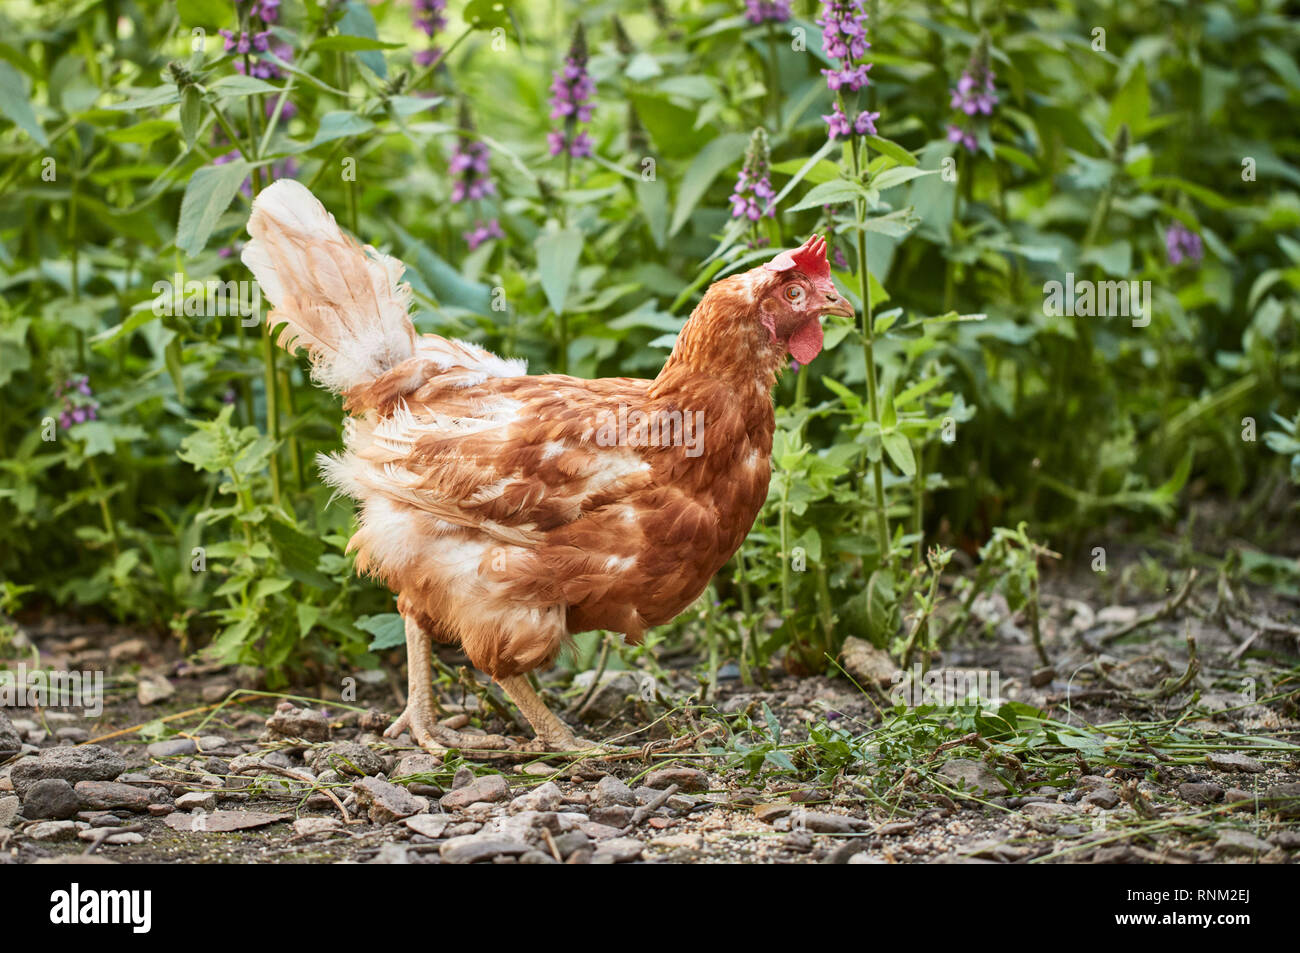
{"x":810,"y":258}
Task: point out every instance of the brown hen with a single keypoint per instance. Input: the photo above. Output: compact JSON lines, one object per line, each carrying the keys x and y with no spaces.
{"x":508,"y":511}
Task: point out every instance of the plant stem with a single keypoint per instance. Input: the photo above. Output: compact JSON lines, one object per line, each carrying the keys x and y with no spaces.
{"x":868,"y":356}
{"x":109,"y":526}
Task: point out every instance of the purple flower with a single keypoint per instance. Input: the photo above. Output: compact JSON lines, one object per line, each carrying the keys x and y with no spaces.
{"x":79,"y":404}
{"x":268,"y":11}
{"x":1183,"y":244}
{"x":428,"y":17}
{"x":753,"y":195}
{"x":974,"y":95}
{"x":572,"y":89}
{"x":844,"y":37}
{"x":963,"y":137}
{"x":767,"y":11}
{"x":469,"y":163}
{"x":482,"y":232}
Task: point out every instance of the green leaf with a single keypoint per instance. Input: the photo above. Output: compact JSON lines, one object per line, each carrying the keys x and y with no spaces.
{"x":707,"y":166}
{"x":353,"y":43}
{"x":830,"y":193}
{"x":388,"y":629}
{"x":233,"y":86}
{"x":1132,"y":104}
{"x":653,"y":196}
{"x":307,"y":618}
{"x":897,"y":176}
{"x":557,"y":259}
{"x":892,"y":149}
{"x":900,"y":451}
{"x":15,"y":106}
{"x":207,"y":196}
{"x":191,"y":114}
{"x":357,"y":20}
{"x":487,"y":14}
{"x":822,"y":170}
{"x":337,"y":124}
{"x":206,"y":13}
{"x":158,"y":96}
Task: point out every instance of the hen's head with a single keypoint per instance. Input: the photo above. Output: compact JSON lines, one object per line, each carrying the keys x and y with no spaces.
{"x":792,"y":292}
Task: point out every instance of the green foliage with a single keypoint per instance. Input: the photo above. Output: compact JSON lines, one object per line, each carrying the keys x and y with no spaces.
{"x":956,"y":404}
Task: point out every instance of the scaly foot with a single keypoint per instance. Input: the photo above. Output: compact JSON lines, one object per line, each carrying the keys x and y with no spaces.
{"x":436,"y":739}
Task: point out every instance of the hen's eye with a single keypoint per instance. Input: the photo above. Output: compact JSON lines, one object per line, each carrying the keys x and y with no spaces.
{"x":794,"y":293}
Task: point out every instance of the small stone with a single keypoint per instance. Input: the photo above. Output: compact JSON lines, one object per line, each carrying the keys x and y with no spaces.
{"x":676,"y":842}
{"x":566,"y":844}
{"x":53,"y":831}
{"x":214,"y":692}
{"x":544,"y":797}
{"x":1241,"y":800}
{"x":153,"y":688}
{"x":767,"y":813}
{"x":82,"y":763}
{"x":197,"y":801}
{"x":1287,"y":840}
{"x":11,"y":741}
{"x":477,"y":848}
{"x":973,"y":776}
{"x":617,"y":850}
{"x":432,"y":826}
{"x":348,"y":758}
{"x":1042,"y":676}
{"x":421,"y":763}
{"x":372,"y":719}
{"x":1104,"y":798}
{"x":616,"y":815}
{"x":391,"y":854}
{"x":1284,"y":799}
{"x":686,"y":779}
{"x":536,"y":857}
{"x":122,"y":837}
{"x":1241,"y":842}
{"x":819,"y":822}
{"x":312,"y":826}
{"x":1047,"y":809}
{"x":128,"y":649}
{"x":490,"y":788}
{"x":1200,"y":792}
{"x":72,"y":734}
{"x":110,"y":796}
{"x":220,"y":822}
{"x":611,"y":791}
{"x":386,"y":802}
{"x":171,"y":748}
{"x":50,"y":799}
{"x":462,"y":777}
{"x":869,"y":666}
{"x":1232,"y":761}
{"x":161,"y":810}
{"x":304,"y":723}
{"x":8,"y":811}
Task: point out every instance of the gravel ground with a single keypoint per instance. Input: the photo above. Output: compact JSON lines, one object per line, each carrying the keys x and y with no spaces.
{"x":1206,"y":770}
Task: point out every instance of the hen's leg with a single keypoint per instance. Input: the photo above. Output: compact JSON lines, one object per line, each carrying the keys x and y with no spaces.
{"x":418,"y":718}
{"x":551,"y":732}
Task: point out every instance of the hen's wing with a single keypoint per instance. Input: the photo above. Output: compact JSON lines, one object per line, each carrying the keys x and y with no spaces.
{"x":513,"y":457}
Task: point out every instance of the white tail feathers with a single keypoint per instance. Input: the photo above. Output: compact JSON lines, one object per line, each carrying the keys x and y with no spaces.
{"x":342,"y":302}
